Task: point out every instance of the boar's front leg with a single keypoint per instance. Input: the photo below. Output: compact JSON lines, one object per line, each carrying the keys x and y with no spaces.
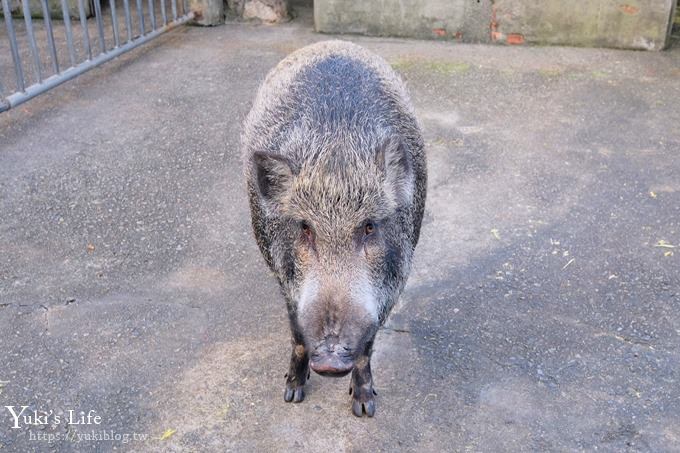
{"x":298,"y":371}
{"x":361,"y":388}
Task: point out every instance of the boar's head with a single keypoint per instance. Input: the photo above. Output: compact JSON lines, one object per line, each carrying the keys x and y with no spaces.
{"x":339,"y":240}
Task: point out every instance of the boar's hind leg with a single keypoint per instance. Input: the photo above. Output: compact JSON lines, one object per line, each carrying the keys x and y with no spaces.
{"x":298,"y":373}
{"x":361,"y":388}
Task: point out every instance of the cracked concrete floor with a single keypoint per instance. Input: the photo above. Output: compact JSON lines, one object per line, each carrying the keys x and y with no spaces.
{"x":542,"y":314}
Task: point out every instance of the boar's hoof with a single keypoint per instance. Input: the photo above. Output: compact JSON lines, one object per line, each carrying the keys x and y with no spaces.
{"x":363,"y":402}
{"x":359,"y":408}
{"x":294,"y":393}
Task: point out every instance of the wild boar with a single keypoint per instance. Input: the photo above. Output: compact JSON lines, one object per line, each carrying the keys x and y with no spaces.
{"x":336,"y":177}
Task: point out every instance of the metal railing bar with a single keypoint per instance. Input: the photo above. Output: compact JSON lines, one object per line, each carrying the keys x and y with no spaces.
{"x":18,"y":69}
{"x":152,"y":15}
{"x":69,"y":32}
{"x":68,"y":74}
{"x":114,"y":23}
{"x":86,"y":33}
{"x":31,"y":40}
{"x":47,"y":20}
{"x":128,"y":20}
{"x":100,"y":24}
{"x":140,"y":12}
{"x":164,"y":14}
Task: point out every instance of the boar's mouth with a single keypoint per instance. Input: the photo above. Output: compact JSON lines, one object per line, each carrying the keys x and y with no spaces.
{"x":331,"y":364}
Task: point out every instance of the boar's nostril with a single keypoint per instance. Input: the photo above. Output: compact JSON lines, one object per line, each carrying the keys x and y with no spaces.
{"x":332,"y":342}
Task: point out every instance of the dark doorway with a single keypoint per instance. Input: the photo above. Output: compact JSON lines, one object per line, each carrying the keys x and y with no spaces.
{"x":302,"y":11}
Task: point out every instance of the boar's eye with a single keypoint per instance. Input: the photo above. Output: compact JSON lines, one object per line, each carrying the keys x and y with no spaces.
{"x":369,"y":228}
{"x":306,"y":230}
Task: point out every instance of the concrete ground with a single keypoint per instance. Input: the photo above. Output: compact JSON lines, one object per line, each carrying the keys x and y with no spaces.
{"x":543,"y":312}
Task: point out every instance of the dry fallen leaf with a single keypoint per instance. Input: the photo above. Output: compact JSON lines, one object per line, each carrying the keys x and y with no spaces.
{"x":168,"y":433}
{"x":90,"y":248}
{"x":494,"y":231}
{"x":652,"y":194}
{"x":664,"y":244}
{"x":668,"y":253}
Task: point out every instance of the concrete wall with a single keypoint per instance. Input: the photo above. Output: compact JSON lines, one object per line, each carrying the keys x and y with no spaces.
{"x":633,"y":24}
{"x":410,"y":18}
{"x":630,"y":24}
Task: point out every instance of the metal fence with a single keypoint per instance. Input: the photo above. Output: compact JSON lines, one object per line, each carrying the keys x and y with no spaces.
{"x":44,"y":51}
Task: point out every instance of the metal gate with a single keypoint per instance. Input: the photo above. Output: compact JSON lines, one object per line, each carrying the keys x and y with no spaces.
{"x":46,"y":50}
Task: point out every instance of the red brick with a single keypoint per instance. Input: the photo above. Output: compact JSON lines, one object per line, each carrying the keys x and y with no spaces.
{"x":515,"y":38}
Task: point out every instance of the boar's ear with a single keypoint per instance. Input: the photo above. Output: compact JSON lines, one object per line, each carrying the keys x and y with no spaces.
{"x":274,"y":177}
{"x":395,"y":162}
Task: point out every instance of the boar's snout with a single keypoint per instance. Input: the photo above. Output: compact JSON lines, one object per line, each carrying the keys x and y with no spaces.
{"x":331,"y":358}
